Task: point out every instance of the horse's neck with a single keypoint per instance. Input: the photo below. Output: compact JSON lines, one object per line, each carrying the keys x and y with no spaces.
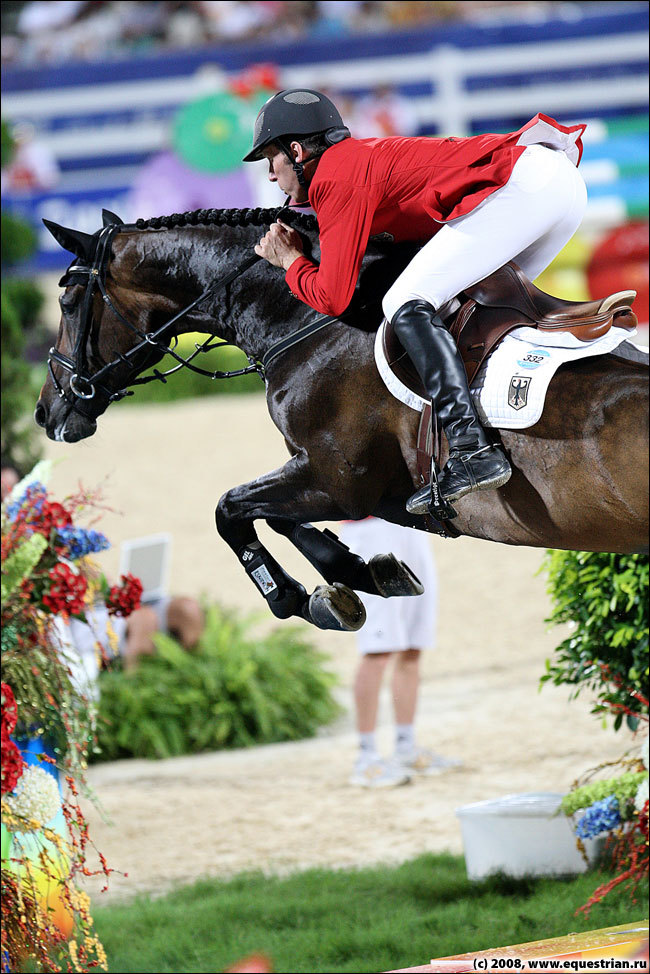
{"x":253,"y":311}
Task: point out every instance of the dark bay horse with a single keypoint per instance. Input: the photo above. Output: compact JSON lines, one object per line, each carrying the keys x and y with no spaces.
{"x":579,"y":474}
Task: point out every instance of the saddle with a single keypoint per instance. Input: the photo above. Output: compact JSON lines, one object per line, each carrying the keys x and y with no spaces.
{"x":507,"y":300}
{"x":490,"y":310}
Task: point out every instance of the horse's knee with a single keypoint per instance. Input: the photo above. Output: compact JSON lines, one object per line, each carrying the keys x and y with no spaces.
{"x":222,"y":516}
{"x":235,"y":530}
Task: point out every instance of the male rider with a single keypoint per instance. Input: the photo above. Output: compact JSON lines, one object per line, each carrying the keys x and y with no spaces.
{"x":478,"y":202}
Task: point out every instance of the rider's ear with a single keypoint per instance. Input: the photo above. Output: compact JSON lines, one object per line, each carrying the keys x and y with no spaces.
{"x":298,"y":151}
{"x":78,"y":243}
{"x":109,"y":219}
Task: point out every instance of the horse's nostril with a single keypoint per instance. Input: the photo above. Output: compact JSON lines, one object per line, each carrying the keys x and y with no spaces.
{"x":40,"y":414}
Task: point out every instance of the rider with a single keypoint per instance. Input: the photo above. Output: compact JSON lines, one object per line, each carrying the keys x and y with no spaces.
{"x":476,"y":202}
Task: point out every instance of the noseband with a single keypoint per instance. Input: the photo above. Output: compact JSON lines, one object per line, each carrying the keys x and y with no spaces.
{"x":84,"y":386}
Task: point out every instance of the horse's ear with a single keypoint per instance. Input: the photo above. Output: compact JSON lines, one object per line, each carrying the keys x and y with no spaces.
{"x":110,"y":219}
{"x":78,"y":243}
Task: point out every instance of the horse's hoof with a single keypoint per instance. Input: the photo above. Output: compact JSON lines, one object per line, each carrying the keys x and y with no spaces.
{"x":393,"y":577}
{"x":336,"y":607}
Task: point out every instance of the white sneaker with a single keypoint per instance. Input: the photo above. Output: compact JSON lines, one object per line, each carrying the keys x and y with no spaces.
{"x":378,"y":773}
{"x":425,"y":762}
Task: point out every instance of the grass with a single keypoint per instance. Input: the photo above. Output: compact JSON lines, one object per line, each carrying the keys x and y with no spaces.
{"x":374,"y":919}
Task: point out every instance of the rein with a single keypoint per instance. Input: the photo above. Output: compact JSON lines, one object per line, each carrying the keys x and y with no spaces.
{"x":84,"y":386}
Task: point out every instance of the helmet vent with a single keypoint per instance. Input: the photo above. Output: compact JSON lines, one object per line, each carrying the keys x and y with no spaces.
{"x":259,"y":122}
{"x":301,"y":98}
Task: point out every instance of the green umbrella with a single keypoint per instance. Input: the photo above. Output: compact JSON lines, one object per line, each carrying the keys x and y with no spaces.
{"x":214,"y":133}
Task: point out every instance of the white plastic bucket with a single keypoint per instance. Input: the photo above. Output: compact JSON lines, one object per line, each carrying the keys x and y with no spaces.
{"x":521,"y":835}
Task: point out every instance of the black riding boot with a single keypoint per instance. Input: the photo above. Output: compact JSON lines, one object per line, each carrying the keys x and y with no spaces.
{"x":474,"y":463}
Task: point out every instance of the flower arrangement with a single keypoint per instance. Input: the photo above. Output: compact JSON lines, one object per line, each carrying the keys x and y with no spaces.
{"x":604,"y":600}
{"x":47,"y":578}
{"x":616,"y":806}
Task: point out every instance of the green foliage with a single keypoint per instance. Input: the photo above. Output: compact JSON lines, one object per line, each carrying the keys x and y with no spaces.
{"x":18,"y":239}
{"x":233,"y":690}
{"x":21,"y":563}
{"x":6,"y":145}
{"x":21,"y":305}
{"x":624,"y":788}
{"x":373,"y":919}
{"x":186,"y":384}
{"x":604,"y":597}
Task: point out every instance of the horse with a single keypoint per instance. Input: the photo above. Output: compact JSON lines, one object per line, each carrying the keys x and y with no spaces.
{"x":579,"y":474}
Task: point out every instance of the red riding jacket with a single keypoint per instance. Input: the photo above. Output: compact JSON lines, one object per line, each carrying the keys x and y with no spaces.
{"x":407,"y":187}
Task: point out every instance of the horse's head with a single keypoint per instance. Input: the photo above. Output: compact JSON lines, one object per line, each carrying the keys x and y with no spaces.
{"x":98,"y":347}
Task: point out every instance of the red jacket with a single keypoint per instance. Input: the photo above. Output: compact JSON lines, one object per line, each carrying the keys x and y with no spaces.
{"x":407,"y":187}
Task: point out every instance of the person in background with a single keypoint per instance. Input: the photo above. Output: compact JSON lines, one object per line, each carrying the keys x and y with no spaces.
{"x":33,"y":166}
{"x":9,"y":477}
{"x":383,"y":114}
{"x":398,"y":628}
{"x":116,"y":637}
{"x":100,"y":640}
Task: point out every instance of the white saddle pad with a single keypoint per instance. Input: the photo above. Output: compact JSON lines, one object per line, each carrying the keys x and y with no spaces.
{"x":510,"y":388}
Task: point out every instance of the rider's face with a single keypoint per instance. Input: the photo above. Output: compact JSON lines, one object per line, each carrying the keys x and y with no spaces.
{"x":281,"y":171}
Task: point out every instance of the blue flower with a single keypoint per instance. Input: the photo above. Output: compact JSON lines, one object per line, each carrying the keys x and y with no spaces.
{"x":33,"y":496}
{"x":602,"y":816}
{"x":79,"y":542}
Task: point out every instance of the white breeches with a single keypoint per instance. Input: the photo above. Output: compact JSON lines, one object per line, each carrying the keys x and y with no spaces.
{"x":528,"y":221}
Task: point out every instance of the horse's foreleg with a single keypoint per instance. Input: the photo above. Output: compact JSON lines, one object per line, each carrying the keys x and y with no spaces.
{"x":383,"y":575}
{"x":285,"y":494}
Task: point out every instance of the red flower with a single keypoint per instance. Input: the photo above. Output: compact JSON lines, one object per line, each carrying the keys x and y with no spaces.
{"x":11,"y":758}
{"x":66,"y":593}
{"x":125,"y":599}
{"x":9,"y":710}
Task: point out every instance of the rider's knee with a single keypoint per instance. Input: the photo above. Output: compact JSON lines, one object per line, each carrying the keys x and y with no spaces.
{"x":185,"y":620}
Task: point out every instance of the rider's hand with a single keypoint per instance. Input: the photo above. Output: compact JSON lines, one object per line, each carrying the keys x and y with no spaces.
{"x":280,"y":246}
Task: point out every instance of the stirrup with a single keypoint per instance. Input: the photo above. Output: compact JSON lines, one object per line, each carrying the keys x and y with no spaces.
{"x":429,"y":500}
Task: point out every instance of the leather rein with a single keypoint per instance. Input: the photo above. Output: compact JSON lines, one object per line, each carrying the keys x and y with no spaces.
{"x":84,"y":386}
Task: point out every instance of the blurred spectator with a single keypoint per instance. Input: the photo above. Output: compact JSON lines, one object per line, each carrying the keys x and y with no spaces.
{"x":9,"y":477}
{"x":383,"y":113}
{"x":87,"y":647}
{"x":53,"y":32}
{"x":397,"y":629}
{"x":185,"y":26}
{"x":336,"y":16}
{"x":43,"y":15}
{"x":370,"y":17}
{"x":408,"y":13}
{"x":140,"y":24}
{"x":236,"y":20}
{"x":33,"y":165}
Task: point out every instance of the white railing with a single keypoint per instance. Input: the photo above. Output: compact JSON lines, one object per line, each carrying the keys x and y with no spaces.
{"x":452,"y":108}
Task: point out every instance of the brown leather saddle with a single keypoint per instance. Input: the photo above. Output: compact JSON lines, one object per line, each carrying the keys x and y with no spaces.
{"x":489,"y":310}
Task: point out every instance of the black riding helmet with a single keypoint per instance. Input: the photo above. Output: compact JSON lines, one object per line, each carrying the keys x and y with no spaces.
{"x":296,"y":111}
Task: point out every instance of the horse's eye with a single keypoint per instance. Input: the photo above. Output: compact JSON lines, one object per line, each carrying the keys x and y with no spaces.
{"x":67,"y":301}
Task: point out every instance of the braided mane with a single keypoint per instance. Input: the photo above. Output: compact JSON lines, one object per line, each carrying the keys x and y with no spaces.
{"x":256,"y":217}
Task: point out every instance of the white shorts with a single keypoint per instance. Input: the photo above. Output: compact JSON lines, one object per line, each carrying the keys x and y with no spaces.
{"x":396,"y":624}
{"x":528,"y":221}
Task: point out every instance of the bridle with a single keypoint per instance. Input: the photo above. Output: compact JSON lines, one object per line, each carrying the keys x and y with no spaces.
{"x":84,"y":386}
